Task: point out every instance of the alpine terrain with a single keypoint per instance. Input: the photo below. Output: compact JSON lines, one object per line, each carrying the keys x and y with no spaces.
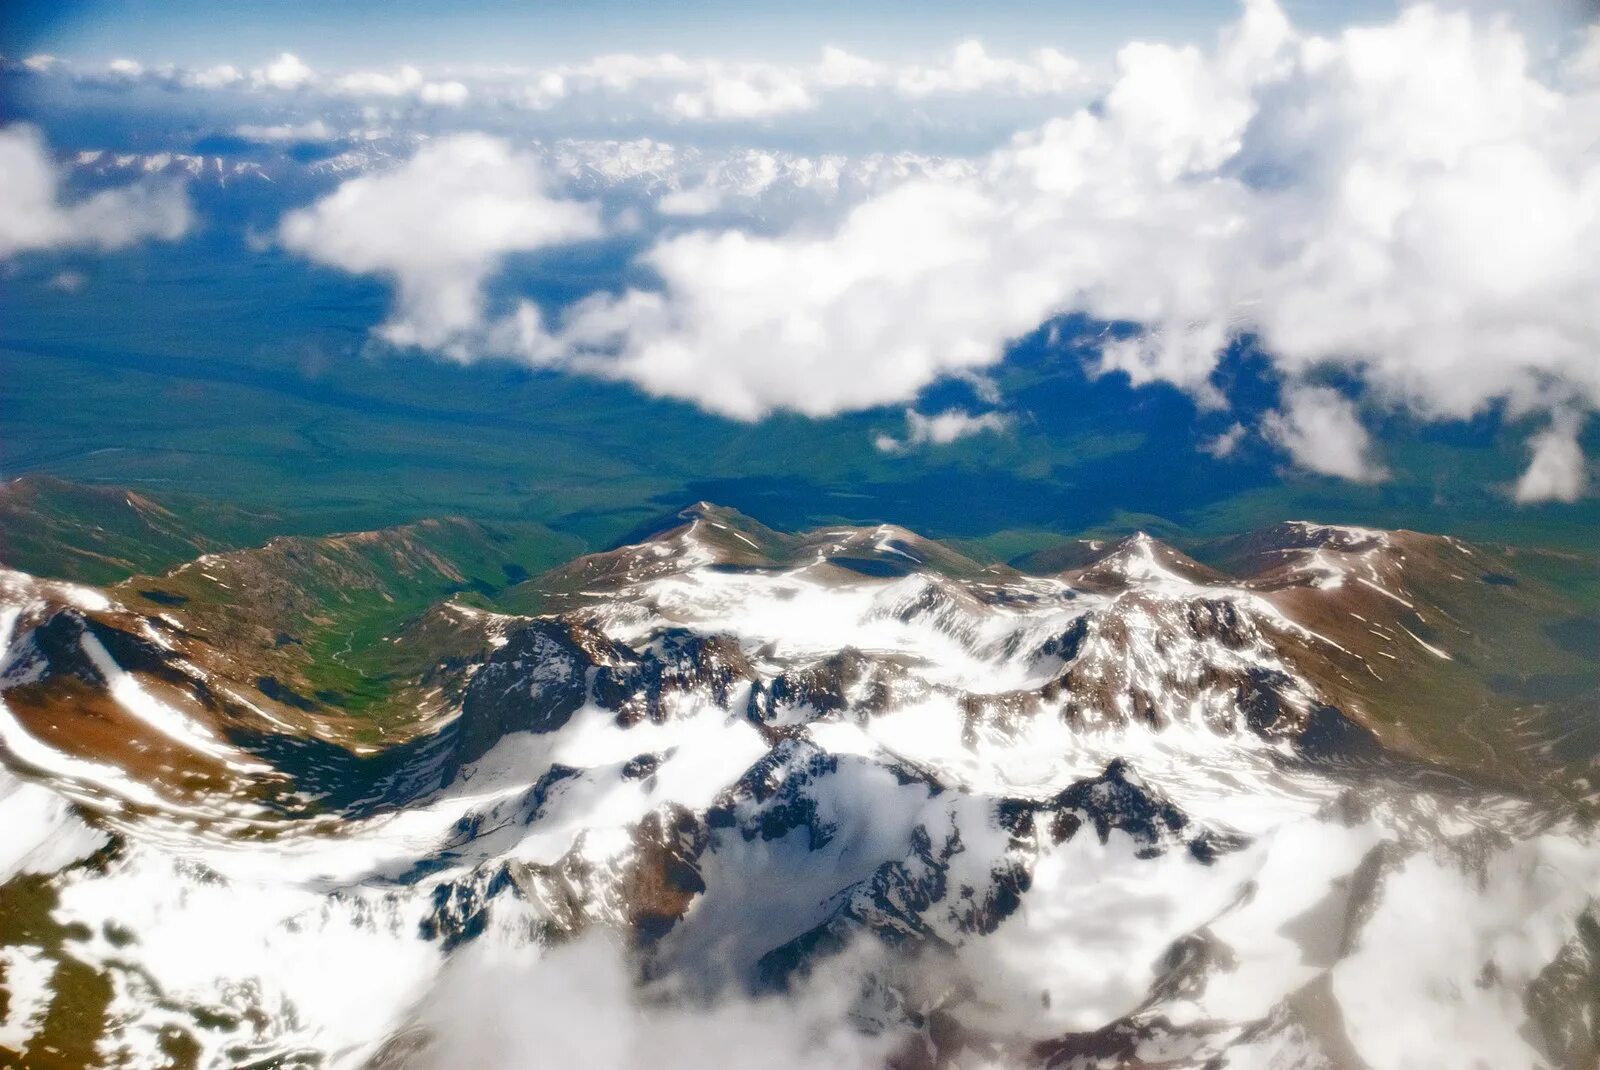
{"x":1316,"y":796}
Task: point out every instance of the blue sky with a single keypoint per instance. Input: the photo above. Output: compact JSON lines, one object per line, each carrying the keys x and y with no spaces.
{"x":493,"y":31}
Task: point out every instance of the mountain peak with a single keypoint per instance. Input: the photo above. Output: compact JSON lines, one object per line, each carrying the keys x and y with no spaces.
{"x":700,"y":514}
{"x":1142,"y":559}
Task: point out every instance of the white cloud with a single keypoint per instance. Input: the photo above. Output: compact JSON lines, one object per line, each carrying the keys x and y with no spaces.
{"x":446,"y":94}
{"x":379,"y":83}
{"x":594,"y":1014}
{"x":695,"y":90}
{"x":664,"y":85}
{"x":315,"y":130}
{"x":698,"y":200}
{"x":1558,"y":471}
{"x":1408,"y":204}
{"x":1319,"y":428}
{"x":69,"y":282}
{"x":1225,"y":443}
{"x":862,"y":317}
{"x":941,"y":429}
{"x":124,"y":73}
{"x":405,"y":82}
{"x":971,"y":69}
{"x":752,"y":94}
{"x":439,"y":225}
{"x":217,"y":77}
{"x":681,"y":88}
{"x":32,"y":216}
{"x":841,"y":69}
{"x":288,"y":71}
{"x":285,"y":74}
{"x":1582,"y":65}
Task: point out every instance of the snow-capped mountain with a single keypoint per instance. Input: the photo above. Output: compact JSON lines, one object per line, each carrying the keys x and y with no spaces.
{"x":678,"y":180}
{"x":847,"y":797}
{"x":98,"y":164}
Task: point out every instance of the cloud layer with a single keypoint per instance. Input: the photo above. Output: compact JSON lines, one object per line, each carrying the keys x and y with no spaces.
{"x":33,"y":216}
{"x":664,"y":85}
{"x":592,"y":1014}
{"x":710,"y":89}
{"x":1407,"y":202}
{"x":1412,"y":206}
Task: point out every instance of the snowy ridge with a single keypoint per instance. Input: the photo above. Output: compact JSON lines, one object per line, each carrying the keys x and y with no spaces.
{"x":970,"y":817}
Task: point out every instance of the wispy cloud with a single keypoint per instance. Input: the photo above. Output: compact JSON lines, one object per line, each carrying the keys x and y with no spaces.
{"x":1321,"y":431}
{"x":34,"y":216}
{"x":941,"y":429}
{"x":1557,"y":471}
{"x":667,"y":86}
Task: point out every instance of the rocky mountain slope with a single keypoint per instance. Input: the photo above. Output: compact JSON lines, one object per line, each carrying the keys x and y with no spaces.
{"x":845,"y":796}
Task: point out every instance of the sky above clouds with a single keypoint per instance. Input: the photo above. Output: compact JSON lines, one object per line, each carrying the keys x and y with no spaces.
{"x":1402,"y":209}
{"x":506,"y":32}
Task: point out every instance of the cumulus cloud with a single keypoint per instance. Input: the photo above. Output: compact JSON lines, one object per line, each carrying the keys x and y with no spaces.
{"x":941,"y":429}
{"x":407,"y":81}
{"x":684,"y":88}
{"x":315,"y":130}
{"x":33,"y":216}
{"x":449,"y":94}
{"x":286,"y":74}
{"x":216,"y":77}
{"x":288,"y":71}
{"x":1319,"y":428}
{"x":862,"y":317}
{"x":439,"y":225}
{"x":970,"y":68}
{"x":125,"y":68}
{"x":1557,"y":472}
{"x":697,"y":89}
{"x":742,"y":96}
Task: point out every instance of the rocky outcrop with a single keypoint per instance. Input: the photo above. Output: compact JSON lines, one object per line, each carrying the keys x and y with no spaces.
{"x":533,"y":683}
{"x":1118,"y":799}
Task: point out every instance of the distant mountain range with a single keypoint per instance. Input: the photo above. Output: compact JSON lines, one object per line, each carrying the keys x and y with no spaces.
{"x":1312,"y":795}
{"x":693,"y":180}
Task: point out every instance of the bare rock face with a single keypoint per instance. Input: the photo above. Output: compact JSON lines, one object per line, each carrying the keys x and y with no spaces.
{"x":678,"y":663}
{"x":534,"y":683}
{"x":1119,"y":800}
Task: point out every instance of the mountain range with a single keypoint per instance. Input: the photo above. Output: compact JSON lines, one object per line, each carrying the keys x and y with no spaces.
{"x":1312,"y":795}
